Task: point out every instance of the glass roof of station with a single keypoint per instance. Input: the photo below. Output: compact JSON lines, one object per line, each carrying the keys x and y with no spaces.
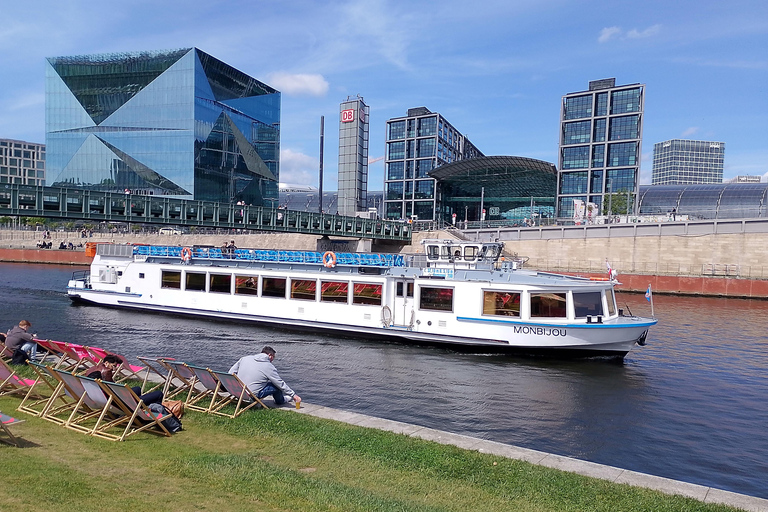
{"x":715,"y":201}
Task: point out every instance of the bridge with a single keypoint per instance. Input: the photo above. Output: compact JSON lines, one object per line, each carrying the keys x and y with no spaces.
{"x":82,"y":204}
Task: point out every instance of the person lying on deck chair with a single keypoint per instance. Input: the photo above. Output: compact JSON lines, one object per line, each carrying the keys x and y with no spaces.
{"x":106,"y":369}
{"x":260,"y":376}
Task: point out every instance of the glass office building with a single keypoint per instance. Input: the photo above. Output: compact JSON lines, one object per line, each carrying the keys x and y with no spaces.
{"x":601,"y":130}
{"x":416,"y":144}
{"x":681,"y":162}
{"x":178,"y":123}
{"x":353,"y":156}
{"x":22,"y":162}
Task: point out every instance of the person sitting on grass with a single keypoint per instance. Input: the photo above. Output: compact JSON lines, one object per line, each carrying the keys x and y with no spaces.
{"x":260,"y":376}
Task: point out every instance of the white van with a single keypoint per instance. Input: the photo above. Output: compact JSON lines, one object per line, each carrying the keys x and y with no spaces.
{"x":169,"y":231}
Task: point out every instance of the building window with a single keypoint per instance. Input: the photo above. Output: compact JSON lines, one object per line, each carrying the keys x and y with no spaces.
{"x":598,"y":156}
{"x":597,"y":182}
{"x":427,"y":126}
{"x":575,"y":158}
{"x":501,"y":303}
{"x":622,"y":180}
{"x":601,"y":107}
{"x":363,"y":293}
{"x":334,"y":291}
{"x":548,"y":305}
{"x":573,"y":182}
{"x":621,"y":154}
{"x":425,"y":189}
{"x":424,"y":210}
{"x":625,"y":127}
{"x":394,"y":210}
{"x":599,"y":132}
{"x":425,"y":147}
{"x":396,"y":130}
{"x":395,"y":170}
{"x":394,"y":190}
{"x":626,"y":101}
{"x":577,"y":107}
{"x":577,"y":132}
{"x":435,"y":299}
{"x":395,"y":150}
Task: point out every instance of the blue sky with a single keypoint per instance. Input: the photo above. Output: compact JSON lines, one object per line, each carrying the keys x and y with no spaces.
{"x":495,"y":69}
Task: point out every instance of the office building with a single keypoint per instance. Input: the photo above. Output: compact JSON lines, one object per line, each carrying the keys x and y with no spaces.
{"x":179,"y":123}
{"x":353,"y":156}
{"x":601,"y":131}
{"x":416,"y":144}
{"x":22,"y":163}
{"x":687,"y":162}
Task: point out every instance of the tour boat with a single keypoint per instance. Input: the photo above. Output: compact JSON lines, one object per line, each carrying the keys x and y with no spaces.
{"x":455,"y":293}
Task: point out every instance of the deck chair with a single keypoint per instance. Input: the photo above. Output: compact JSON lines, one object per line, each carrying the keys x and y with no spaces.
{"x":126,"y":370}
{"x":155,"y":374}
{"x":92,"y":404}
{"x":70,"y":357}
{"x":5,"y":352}
{"x":12,"y":384}
{"x":43,"y":393}
{"x":180,"y":379}
{"x":239,"y":392}
{"x":48,"y":348}
{"x":5,"y":422}
{"x":137,"y":415}
{"x":205,"y":396}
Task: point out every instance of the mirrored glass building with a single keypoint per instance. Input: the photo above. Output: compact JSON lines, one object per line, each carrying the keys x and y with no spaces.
{"x":179,"y":123}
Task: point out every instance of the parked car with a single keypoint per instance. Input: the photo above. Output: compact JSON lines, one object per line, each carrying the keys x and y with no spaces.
{"x":169,"y":231}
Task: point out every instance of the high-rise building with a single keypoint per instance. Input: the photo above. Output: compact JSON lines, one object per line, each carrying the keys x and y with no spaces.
{"x":22,"y":162}
{"x":416,"y":144}
{"x":683,"y":162}
{"x":179,"y":123}
{"x":601,"y":130}
{"x":353,"y":156}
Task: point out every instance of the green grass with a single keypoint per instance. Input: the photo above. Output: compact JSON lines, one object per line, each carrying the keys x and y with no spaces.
{"x":277,"y":460}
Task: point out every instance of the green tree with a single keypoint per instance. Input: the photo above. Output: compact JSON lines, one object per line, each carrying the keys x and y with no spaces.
{"x":618,"y":203}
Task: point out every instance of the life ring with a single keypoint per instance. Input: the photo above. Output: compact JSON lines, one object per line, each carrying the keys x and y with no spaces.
{"x":329,"y":259}
{"x":186,"y":255}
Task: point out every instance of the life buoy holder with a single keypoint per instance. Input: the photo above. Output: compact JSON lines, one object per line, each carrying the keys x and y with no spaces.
{"x":186,"y":255}
{"x":329,"y":259}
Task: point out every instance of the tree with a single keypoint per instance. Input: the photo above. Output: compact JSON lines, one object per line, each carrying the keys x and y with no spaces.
{"x":617,"y":202}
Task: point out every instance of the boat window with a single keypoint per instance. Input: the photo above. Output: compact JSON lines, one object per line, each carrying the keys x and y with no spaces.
{"x":171,"y":279}
{"x":195,"y":281}
{"x":501,"y":303}
{"x":334,"y":291}
{"x":433,"y":252}
{"x":456,"y":253}
{"x":220,"y":283}
{"x":470,"y":253}
{"x":551,"y":305}
{"x":445,"y":252}
{"x":587,"y":304}
{"x":249,"y":285}
{"x":273,"y":287}
{"x":406,"y":286}
{"x":436,"y":299}
{"x":303,"y":289}
{"x":364,"y":293}
{"x":611,"y":300}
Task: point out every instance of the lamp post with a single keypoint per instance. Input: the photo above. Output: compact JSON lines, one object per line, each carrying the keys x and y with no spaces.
{"x":610,"y":200}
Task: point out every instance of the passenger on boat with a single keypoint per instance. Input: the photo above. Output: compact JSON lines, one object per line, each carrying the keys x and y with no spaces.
{"x":106,"y":369}
{"x":19,"y":339}
{"x":260,"y":376}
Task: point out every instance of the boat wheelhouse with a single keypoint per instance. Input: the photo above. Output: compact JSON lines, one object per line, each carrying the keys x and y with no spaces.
{"x":454,"y":292}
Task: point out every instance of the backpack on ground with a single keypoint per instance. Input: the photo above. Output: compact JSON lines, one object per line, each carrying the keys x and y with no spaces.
{"x":171,"y":422}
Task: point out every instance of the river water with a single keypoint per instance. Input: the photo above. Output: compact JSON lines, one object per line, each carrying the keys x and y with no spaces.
{"x":691,"y":405}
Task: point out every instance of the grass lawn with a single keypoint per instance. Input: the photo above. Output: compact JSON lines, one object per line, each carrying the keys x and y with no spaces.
{"x":276,"y":460}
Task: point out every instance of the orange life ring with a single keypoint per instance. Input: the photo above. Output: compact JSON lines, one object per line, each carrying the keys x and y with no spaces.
{"x":329,"y":259}
{"x":186,"y":255}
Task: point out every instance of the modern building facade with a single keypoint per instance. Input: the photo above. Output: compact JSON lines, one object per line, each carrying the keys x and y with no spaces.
{"x":179,"y":123}
{"x":416,"y":144}
{"x":687,"y":162}
{"x":353,"y":156}
{"x":22,"y":163}
{"x":601,"y":131}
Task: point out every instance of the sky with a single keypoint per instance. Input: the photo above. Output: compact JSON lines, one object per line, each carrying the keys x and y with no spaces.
{"x":496,"y":70}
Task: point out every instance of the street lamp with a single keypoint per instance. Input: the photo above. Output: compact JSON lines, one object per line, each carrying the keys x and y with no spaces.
{"x":610,"y":200}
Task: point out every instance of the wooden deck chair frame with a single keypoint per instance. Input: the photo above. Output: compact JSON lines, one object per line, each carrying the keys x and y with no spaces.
{"x":154,"y":366}
{"x":235,"y":387}
{"x":126,"y":370}
{"x":93,"y":403}
{"x":205,"y":396}
{"x":180,"y":379}
{"x":12,"y":383}
{"x":138,"y":417}
{"x":5,"y":352}
{"x":35,"y":402}
{"x":5,"y":422}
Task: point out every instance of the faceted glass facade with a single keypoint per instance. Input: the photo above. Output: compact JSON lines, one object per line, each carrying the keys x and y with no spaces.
{"x":417,"y":144}
{"x":687,"y":162}
{"x":353,"y":156}
{"x":179,"y":123}
{"x":600,"y":143}
{"x":22,"y":162}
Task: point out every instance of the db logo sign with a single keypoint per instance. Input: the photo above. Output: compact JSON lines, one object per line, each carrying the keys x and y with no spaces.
{"x":347,"y":116}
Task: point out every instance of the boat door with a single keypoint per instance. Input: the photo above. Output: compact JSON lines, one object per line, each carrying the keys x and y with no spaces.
{"x":403,"y":311}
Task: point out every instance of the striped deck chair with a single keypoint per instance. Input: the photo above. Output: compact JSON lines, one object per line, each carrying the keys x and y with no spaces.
{"x":138,"y":417}
{"x":43,"y":393}
{"x":12,"y":384}
{"x":180,"y":379}
{"x":235,"y":387}
{"x":126,"y":370}
{"x":204,"y":396}
{"x":48,"y":348}
{"x":69,"y":358}
{"x":156,"y":373}
{"x":5,"y":422}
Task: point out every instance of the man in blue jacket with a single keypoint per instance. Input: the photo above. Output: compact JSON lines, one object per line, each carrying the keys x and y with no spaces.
{"x":260,"y":376}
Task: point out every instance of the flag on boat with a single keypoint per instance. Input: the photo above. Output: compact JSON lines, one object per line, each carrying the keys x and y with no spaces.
{"x":648,"y":294}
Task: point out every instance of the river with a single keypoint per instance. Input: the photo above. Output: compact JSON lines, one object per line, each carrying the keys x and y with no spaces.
{"x":691,"y":405}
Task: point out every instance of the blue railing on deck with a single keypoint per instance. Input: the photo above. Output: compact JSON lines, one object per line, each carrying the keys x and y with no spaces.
{"x":307,"y":257}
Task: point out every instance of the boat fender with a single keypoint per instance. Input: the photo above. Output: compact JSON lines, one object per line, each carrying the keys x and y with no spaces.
{"x":186,"y":255}
{"x":329,"y":259}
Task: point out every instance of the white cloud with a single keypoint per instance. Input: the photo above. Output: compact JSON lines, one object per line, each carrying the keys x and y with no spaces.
{"x":298,"y":168}
{"x":608,"y":33}
{"x":650,"y":31}
{"x":298,"y":84}
{"x":690,"y":131}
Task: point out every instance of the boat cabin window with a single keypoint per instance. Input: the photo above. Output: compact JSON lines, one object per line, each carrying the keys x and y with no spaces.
{"x":273,"y":287}
{"x":500,"y":303}
{"x":249,"y":285}
{"x":435,"y":299}
{"x":587,"y":304}
{"x":549,"y":305}
{"x":171,"y":279}
{"x":194,"y":281}
{"x":365,"y":293}
{"x":446,"y":252}
{"x":404,"y":289}
{"x":611,"y":301}
{"x":470,"y":253}
{"x":433,"y":252}
{"x":220,"y":283}
{"x":303,"y":289}
{"x":334,"y":291}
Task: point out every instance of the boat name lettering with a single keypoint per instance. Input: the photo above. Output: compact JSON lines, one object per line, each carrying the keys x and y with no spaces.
{"x":540,"y":331}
